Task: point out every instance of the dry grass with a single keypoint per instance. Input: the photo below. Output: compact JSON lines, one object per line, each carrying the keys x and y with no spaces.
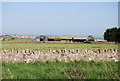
{"x":46,"y":46}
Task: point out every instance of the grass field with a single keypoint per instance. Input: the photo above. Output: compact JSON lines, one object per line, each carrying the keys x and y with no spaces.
{"x":46,"y":46}
{"x":20,"y":40}
{"x":61,"y":70}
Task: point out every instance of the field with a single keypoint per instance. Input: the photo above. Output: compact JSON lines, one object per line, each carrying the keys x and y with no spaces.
{"x":46,"y":46}
{"x":60,"y":70}
{"x":20,"y":40}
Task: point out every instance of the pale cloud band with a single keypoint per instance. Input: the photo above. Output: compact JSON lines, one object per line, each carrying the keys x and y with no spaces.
{"x":59,"y":0}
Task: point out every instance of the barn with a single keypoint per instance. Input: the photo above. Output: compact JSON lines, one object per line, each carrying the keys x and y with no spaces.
{"x":63,"y":38}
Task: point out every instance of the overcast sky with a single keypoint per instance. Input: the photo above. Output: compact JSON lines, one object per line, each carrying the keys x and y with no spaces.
{"x":59,"y":18}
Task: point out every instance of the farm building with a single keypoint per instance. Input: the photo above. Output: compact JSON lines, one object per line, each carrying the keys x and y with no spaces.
{"x":100,"y":40}
{"x":5,"y":37}
{"x":62,"y":38}
{"x":24,"y":37}
{"x":1,"y":38}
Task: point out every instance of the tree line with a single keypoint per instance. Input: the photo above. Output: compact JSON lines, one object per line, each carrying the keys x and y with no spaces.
{"x":112,"y":34}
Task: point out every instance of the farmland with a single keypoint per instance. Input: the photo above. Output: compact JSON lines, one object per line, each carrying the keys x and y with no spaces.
{"x":46,"y":46}
{"x":60,"y":69}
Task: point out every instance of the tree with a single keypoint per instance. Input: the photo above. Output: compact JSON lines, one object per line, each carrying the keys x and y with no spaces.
{"x":118,"y":36}
{"x":112,"y":34}
{"x":72,"y":39}
{"x":91,"y":38}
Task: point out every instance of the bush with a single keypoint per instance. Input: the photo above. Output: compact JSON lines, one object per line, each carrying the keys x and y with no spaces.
{"x":57,"y":39}
{"x":91,"y":39}
{"x":12,"y":38}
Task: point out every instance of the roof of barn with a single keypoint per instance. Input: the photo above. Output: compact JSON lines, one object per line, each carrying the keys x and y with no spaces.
{"x":63,"y":37}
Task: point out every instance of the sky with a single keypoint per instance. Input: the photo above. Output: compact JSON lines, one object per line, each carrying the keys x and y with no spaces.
{"x":0,"y":18}
{"x":59,"y":18}
{"x":119,"y":13}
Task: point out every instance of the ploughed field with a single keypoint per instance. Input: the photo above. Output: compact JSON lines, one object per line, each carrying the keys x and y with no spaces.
{"x":60,"y":69}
